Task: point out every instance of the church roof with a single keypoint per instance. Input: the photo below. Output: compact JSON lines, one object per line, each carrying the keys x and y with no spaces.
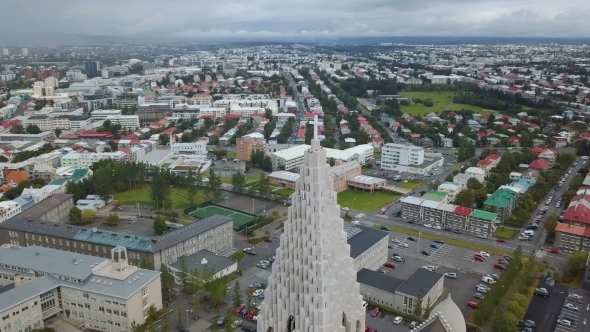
{"x":361,"y":241}
{"x":446,"y":316}
{"x":378,"y":280}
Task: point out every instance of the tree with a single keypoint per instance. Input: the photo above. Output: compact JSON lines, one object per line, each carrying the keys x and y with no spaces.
{"x":166,"y":324}
{"x":75,"y":214}
{"x":57,"y":132}
{"x":17,"y":129}
{"x":167,"y":280}
{"x":229,"y":319}
{"x":113,"y":219}
{"x":550,"y":224}
{"x":160,"y":188}
{"x":418,"y":310}
{"x":191,"y":190}
{"x":473,"y":183}
{"x":184,"y":274}
{"x":103,"y":182}
{"x":88,"y":215}
{"x":214,"y":185}
{"x":575,"y":263}
{"x":33,"y":129}
{"x":179,"y":315}
{"x":160,"y":226}
{"x":515,"y":308}
{"x":196,"y":305}
{"x":238,"y":181}
{"x":505,"y":322}
{"x":465,"y":198}
{"x":237,"y":294}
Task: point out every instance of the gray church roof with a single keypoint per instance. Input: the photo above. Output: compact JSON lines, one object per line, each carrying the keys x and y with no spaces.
{"x":420,"y":283}
{"x":361,"y":238}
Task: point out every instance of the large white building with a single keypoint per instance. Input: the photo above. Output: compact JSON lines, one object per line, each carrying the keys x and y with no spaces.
{"x":97,"y":115}
{"x":101,"y":294}
{"x":192,"y":148}
{"x":313,"y":268}
{"x":394,"y":155}
{"x":126,"y":121}
{"x":85,"y":160}
{"x":291,"y":159}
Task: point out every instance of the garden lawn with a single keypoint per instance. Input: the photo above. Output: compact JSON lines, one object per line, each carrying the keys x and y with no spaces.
{"x":284,"y":191}
{"x":141,"y":195}
{"x":231,"y":154}
{"x":238,"y":256}
{"x":441,"y":102}
{"x":365,"y":201}
{"x":412,"y":184}
{"x":506,"y":233}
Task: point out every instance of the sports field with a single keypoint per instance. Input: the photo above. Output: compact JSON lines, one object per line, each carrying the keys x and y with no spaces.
{"x":239,"y":218}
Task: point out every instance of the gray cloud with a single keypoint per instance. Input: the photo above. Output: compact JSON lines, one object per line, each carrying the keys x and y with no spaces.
{"x":198,"y":19}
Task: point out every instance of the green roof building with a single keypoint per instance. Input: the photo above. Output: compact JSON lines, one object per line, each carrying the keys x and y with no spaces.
{"x":437,"y":196}
{"x":502,"y":202}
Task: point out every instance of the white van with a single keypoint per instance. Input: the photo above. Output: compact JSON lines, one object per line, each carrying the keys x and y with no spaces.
{"x":528,"y":232}
{"x":489,"y":280}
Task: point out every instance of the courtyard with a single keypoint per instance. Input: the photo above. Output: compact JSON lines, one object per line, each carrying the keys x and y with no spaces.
{"x":365,"y":201}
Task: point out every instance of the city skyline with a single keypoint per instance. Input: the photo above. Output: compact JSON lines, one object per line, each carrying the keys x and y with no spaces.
{"x":306,"y":20}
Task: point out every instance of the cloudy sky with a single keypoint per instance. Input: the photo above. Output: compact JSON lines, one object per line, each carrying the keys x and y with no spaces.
{"x":299,"y":19}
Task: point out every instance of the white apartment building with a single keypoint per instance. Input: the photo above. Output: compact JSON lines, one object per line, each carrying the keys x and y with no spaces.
{"x":126,"y":121}
{"x":8,"y":110}
{"x":216,"y":112}
{"x":245,"y":111}
{"x":103,"y":294}
{"x":85,"y":160}
{"x":44,"y":122}
{"x":477,"y":173}
{"x":401,"y":157}
{"x":9,"y":209}
{"x":97,"y":115}
{"x":192,"y":148}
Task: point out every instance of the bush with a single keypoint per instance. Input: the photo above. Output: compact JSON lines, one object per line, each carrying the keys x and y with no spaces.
{"x":428,"y":102}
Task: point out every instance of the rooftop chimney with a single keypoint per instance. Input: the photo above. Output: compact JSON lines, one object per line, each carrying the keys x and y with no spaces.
{"x":94,"y":229}
{"x":17,"y":280}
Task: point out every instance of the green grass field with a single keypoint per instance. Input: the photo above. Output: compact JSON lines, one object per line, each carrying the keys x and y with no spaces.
{"x":365,"y":201}
{"x":284,"y":191}
{"x":238,"y":256}
{"x":141,"y":195}
{"x":441,"y":102}
{"x":412,"y":184}
{"x":506,"y":233}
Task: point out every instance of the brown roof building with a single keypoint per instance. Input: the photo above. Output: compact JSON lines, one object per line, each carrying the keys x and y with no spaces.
{"x":54,"y":208}
{"x":17,"y":176}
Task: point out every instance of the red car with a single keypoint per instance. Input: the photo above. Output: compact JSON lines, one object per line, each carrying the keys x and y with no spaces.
{"x":382,"y":212}
{"x":501,"y":260}
{"x":480,"y":256}
{"x":472,"y":304}
{"x":501,"y":240}
{"x":499,"y":267}
{"x":375,"y":312}
{"x":240,"y":309}
{"x":370,"y":329}
{"x":554,"y":251}
{"x":479,"y":259}
{"x":252,"y":313}
{"x":389,"y":265}
{"x":268,"y":239}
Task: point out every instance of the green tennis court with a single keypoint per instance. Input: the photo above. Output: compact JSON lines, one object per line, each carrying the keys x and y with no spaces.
{"x":240,"y":219}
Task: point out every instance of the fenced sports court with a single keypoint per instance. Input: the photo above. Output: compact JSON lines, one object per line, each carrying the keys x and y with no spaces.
{"x":207,"y":209}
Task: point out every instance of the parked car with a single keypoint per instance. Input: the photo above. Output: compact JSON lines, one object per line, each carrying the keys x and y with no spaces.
{"x":249,"y":251}
{"x":425,"y":253}
{"x":477,"y":296}
{"x":451,"y":275}
{"x":472,"y":304}
{"x":403,"y":245}
{"x":268,"y":239}
{"x":257,"y":292}
{"x":542,"y":292}
{"x":248,"y":329}
{"x":397,"y":258}
{"x":240,"y":309}
{"x":255,"y":285}
{"x":411,"y":238}
{"x":375,"y":312}
{"x":499,"y":267}
{"x":554,"y":251}
{"x":433,"y":246}
{"x":439,"y":241}
{"x":571,"y":307}
{"x":389,"y":265}
{"x":397,"y":320}
{"x":385,"y":228}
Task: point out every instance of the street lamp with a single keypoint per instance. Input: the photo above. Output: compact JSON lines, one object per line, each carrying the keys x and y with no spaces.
{"x":252,"y":205}
{"x":159,"y":328}
{"x":418,"y":247}
{"x":352,"y":204}
{"x":186,"y":317}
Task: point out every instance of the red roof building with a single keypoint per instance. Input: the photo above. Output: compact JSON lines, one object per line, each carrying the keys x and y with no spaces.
{"x":414,"y":135}
{"x":578,"y":214}
{"x":464,"y":211}
{"x":484,"y":162}
{"x":566,"y":228}
{"x":539,"y":164}
{"x":494,"y":156}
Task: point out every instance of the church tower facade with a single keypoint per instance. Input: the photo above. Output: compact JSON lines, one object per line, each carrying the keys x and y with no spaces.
{"x":312,"y":287}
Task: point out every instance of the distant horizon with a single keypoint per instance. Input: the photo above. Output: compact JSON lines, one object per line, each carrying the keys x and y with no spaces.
{"x":62,"y":39}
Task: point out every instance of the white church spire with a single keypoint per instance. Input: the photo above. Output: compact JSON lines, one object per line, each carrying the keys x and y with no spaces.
{"x":313,"y":285}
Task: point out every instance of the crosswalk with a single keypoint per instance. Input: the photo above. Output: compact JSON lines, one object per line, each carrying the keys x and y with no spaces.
{"x":540,"y":253}
{"x":382,"y":216}
{"x":360,"y":215}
